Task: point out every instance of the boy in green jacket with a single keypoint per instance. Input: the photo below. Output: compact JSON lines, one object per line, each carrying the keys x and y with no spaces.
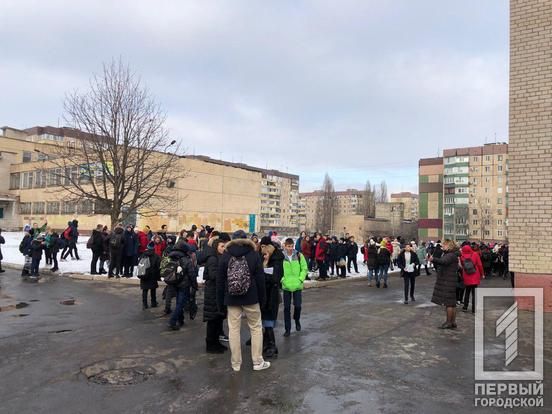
{"x":295,"y":272}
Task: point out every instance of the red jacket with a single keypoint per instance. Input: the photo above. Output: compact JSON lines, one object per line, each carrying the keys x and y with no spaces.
{"x":321,"y":248}
{"x":142,"y":242}
{"x":159,"y":248}
{"x":306,"y":248}
{"x":475,"y":278}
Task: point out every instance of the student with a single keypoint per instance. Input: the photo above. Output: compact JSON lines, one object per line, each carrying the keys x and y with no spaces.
{"x":2,"y":241}
{"x":37,"y":245}
{"x":242,"y":290}
{"x":149,"y":274}
{"x":352,"y":252}
{"x":295,"y":272}
{"x":409,"y":264}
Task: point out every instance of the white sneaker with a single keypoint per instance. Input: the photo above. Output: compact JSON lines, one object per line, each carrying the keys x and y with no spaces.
{"x":261,"y":366}
{"x":236,"y":369}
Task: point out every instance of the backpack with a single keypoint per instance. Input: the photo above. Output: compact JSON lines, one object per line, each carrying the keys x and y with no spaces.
{"x":67,"y":233}
{"x":143,"y":265}
{"x":22,"y":245}
{"x":90,"y":242}
{"x":171,"y":271}
{"x":239,"y":276}
{"x":115,"y":241}
{"x":469,"y":266}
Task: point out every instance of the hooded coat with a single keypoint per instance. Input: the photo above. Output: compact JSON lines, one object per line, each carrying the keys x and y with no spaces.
{"x":371,"y":254}
{"x":153,"y":273}
{"x":321,"y":249}
{"x":256,"y":292}
{"x":180,"y":253}
{"x":210,"y":259}
{"x":444,"y":292}
{"x":475,"y":278}
{"x":273,"y":281}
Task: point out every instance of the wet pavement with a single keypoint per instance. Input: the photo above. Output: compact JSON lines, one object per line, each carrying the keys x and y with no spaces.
{"x":361,"y":351}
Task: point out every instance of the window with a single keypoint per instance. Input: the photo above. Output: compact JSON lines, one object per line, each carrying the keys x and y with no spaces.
{"x":499,"y":168}
{"x":499,"y":190}
{"x":487,"y":158}
{"x":40,"y":179}
{"x":486,"y":190}
{"x":53,"y":178}
{"x":474,"y":232}
{"x":500,"y":157}
{"x":499,"y":233}
{"x":24,"y":208}
{"x":487,"y":169}
{"x":69,"y":207}
{"x":85,"y":207}
{"x":27,"y":156}
{"x":475,"y":159}
{"x":71,"y":175}
{"x":42,"y":157}
{"x":27,"y":181}
{"x":474,"y":212}
{"x":499,"y":200}
{"x":499,"y":222}
{"x":487,"y":233}
{"x":475,"y":180}
{"x":52,"y":207}
{"x":499,"y":212}
{"x":15,"y":181}
{"x":38,"y":207}
{"x":487,"y":222}
{"x":474,"y":222}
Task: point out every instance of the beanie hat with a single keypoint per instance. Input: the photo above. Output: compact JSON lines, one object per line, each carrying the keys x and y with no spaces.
{"x":151,"y":246}
{"x":225,"y":237}
{"x":240,"y":234}
{"x":265,"y":241}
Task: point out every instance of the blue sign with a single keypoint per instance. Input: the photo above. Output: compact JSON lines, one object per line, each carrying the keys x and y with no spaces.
{"x":252,"y":223}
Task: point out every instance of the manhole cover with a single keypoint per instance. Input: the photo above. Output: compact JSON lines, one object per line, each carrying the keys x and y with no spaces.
{"x":125,"y":376}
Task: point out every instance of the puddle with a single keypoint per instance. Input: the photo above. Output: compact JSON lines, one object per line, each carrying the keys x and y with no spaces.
{"x":20,"y":315}
{"x":34,"y":300}
{"x":19,"y":305}
{"x":61,"y":331}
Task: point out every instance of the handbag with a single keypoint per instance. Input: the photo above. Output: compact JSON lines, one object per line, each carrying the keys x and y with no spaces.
{"x":342,"y":263}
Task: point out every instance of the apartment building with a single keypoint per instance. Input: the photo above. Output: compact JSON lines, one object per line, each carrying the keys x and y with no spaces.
{"x":347,"y":202}
{"x":474,"y":193}
{"x":228,"y":196}
{"x":430,"y":203}
{"x":279,"y":202}
{"x":410,"y":202}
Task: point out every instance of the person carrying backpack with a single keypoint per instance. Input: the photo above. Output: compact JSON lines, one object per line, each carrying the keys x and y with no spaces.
{"x":242,"y":290}
{"x":25,"y":250}
{"x":95,"y":243}
{"x":295,"y":272}
{"x":2,"y":241}
{"x":178,"y":272}
{"x":116,"y":244}
{"x":149,"y":272}
{"x":472,"y":272}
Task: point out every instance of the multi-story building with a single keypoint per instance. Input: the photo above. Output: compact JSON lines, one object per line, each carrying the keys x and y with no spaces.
{"x":410,"y":202}
{"x":474,"y":193}
{"x":430,"y":203}
{"x":228,"y":196}
{"x":279,"y":202}
{"x":348,"y":202}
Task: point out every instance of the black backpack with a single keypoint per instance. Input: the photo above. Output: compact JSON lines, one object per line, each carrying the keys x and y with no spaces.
{"x":469,"y":266}
{"x":171,"y":271}
{"x":115,"y":241}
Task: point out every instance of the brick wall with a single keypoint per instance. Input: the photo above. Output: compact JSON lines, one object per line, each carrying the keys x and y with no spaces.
{"x":530,"y":206}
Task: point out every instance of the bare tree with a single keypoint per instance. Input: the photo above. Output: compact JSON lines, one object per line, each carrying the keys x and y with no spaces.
{"x":381,"y":193}
{"x":123,"y":159}
{"x":325,"y":208}
{"x":368,"y":206}
{"x":485,"y":217}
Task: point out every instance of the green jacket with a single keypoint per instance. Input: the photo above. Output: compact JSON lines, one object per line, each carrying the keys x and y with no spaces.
{"x":295,"y":272}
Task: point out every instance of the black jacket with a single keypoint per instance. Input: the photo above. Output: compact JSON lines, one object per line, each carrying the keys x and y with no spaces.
{"x":116,"y":235}
{"x":180,"y":253}
{"x":352,"y":250}
{"x":333,"y":251}
{"x":444,"y":292}
{"x":97,"y":242}
{"x":372,"y":257}
{"x":342,"y":250}
{"x":210,"y":259}
{"x":152,"y":273}
{"x":384,"y":257}
{"x":273,"y":282}
{"x":401,"y":261}
{"x":36,"y":249}
{"x":256,"y":292}
{"x":2,"y":241}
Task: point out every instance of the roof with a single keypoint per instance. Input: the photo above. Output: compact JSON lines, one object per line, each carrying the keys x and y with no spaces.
{"x":404,"y":194}
{"x":431,"y":161}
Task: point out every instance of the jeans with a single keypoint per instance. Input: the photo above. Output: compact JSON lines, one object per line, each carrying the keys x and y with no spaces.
{"x":182,"y":295}
{"x":115,"y":264}
{"x":382,"y":272}
{"x":35,"y":263}
{"x":353,"y":261}
{"x":297,"y":297}
{"x":409,"y":281}
{"x":372,"y":273}
{"x":253,"y":316}
{"x":54,"y":259}
{"x":128,"y":265}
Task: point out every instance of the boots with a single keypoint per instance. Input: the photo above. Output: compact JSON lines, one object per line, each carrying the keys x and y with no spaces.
{"x":214,"y":347}
{"x":270,"y":350}
{"x":297,"y":317}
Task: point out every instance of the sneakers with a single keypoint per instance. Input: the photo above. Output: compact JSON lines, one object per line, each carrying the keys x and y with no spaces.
{"x":223,"y":338}
{"x":236,"y":369}
{"x":174,"y":327}
{"x":286,"y":333}
{"x":260,"y":367}
{"x":297,"y":325}
{"x":412,"y":299}
{"x":385,"y":285}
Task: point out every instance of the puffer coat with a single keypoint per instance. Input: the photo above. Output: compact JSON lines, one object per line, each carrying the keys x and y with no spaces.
{"x":210,"y":259}
{"x":444,"y":292}
{"x":269,"y":312}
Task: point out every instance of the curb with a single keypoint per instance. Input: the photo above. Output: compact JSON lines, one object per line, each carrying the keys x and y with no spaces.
{"x":309,"y":284}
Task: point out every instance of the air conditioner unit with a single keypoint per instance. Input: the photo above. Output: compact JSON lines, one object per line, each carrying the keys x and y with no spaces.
{"x":171,"y":183}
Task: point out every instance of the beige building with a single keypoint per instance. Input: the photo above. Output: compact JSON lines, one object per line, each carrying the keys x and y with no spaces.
{"x":279,"y":202}
{"x":348,"y":202}
{"x":225,"y":195}
{"x":530,"y":215}
{"x":410,"y":202}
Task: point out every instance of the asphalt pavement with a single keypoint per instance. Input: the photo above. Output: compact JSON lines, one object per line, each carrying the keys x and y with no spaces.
{"x":361,"y":350}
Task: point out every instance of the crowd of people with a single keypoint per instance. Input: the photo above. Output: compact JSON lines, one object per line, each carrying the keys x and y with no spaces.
{"x":248,"y":275}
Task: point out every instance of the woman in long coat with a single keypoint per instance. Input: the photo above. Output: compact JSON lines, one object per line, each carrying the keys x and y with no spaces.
{"x":444,"y":292}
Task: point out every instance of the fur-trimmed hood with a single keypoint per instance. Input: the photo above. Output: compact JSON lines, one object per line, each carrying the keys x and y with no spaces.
{"x":240,"y":247}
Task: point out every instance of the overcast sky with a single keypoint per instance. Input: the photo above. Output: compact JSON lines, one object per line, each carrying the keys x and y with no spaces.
{"x":359,"y":89}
